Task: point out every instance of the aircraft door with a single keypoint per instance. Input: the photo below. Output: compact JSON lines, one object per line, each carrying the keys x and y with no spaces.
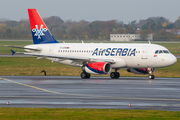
{"x":51,"y":49}
{"x":145,"y":53}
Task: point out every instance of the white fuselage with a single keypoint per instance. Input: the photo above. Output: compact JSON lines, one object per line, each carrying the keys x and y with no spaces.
{"x":124,"y":55}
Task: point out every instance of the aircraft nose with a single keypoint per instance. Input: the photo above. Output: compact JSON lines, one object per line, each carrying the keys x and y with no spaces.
{"x":172,"y":60}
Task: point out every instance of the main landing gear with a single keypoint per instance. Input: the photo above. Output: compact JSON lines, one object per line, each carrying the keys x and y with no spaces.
{"x":151,"y":76}
{"x":85,"y":75}
{"x":115,"y":75}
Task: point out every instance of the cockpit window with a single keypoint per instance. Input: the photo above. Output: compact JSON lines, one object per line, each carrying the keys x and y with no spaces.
{"x":156,"y":51}
{"x":165,"y":51}
{"x":161,"y":51}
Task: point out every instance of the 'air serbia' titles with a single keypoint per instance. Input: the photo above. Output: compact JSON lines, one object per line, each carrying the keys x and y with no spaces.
{"x":114,"y":52}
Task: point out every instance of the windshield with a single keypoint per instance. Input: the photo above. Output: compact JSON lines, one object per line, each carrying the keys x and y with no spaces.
{"x":161,"y":51}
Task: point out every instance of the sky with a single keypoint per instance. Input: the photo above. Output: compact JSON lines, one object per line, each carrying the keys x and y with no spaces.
{"x":92,"y":10}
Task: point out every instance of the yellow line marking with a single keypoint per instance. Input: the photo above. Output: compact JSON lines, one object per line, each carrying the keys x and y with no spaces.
{"x":164,"y":105}
{"x":101,"y":97}
{"x":47,"y":90}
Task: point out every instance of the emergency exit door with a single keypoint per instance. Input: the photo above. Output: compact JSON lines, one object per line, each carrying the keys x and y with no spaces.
{"x":145,"y":53}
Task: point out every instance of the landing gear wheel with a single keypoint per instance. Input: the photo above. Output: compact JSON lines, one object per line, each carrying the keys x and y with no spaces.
{"x":114,"y":75}
{"x":151,"y":76}
{"x":85,"y":75}
{"x":88,"y":75}
{"x":151,"y":70}
{"x":117,"y":75}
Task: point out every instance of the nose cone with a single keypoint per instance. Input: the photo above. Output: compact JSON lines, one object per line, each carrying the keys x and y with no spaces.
{"x":172,"y":60}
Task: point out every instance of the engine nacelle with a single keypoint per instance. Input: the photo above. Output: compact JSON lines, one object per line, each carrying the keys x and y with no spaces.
{"x":98,"y":68}
{"x":140,"y":70}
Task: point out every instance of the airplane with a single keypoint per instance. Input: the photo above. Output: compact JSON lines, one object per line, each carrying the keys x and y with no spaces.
{"x":96,"y":58}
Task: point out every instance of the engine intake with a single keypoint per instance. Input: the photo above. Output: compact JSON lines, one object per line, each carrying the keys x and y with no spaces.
{"x":98,"y":68}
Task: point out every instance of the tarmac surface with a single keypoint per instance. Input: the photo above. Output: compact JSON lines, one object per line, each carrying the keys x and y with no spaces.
{"x":96,"y":92}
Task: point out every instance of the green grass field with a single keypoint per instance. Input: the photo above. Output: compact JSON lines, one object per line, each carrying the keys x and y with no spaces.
{"x":85,"y":114}
{"x":31,"y":66}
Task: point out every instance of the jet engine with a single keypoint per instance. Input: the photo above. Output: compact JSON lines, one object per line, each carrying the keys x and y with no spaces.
{"x":98,"y":68}
{"x":141,"y":70}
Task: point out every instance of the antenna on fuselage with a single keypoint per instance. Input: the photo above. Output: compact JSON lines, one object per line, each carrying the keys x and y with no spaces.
{"x":63,"y":41}
{"x":82,"y":41}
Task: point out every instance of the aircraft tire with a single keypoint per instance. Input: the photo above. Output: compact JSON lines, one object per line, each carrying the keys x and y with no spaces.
{"x":88,"y":75}
{"x":85,"y":75}
{"x":114,"y":75}
{"x":117,"y":75}
{"x":151,"y":76}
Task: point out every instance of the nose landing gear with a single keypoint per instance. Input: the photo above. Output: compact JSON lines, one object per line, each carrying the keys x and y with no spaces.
{"x":151,"y":76}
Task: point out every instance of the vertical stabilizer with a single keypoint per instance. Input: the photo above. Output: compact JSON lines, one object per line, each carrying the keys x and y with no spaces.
{"x":40,"y":32}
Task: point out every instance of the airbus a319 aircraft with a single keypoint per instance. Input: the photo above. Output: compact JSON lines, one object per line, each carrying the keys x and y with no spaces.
{"x":96,"y":58}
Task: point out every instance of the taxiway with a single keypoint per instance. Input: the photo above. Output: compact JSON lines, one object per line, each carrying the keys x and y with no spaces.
{"x":97,"y":92}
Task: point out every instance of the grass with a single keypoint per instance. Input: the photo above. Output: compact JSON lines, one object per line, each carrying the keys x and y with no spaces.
{"x":31,"y":66}
{"x":84,"y":114}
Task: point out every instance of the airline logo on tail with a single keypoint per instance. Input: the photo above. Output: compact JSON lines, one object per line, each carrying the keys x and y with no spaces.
{"x":39,"y":32}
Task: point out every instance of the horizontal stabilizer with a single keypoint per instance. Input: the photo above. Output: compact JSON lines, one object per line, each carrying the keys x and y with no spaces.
{"x":23,"y":48}
{"x":13,"y":52}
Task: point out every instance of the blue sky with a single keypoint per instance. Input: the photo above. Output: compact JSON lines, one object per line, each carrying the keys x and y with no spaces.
{"x":91,"y":10}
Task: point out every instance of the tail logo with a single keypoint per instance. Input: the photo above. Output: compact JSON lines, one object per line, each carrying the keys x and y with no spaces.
{"x":39,"y":33}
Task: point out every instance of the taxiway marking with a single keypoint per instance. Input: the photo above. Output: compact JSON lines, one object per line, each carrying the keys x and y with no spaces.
{"x":49,"y":90}
{"x":83,"y":96}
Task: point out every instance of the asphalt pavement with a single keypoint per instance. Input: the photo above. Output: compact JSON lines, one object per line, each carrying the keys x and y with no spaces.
{"x":96,"y":92}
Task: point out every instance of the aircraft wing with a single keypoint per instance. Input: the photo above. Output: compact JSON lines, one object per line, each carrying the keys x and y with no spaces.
{"x":73,"y":58}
